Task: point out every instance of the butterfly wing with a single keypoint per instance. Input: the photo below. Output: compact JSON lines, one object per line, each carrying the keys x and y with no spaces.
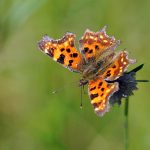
{"x":100,"y":90}
{"x":93,"y":44}
{"x":99,"y":93}
{"x":62,"y":51}
{"x":118,"y":67}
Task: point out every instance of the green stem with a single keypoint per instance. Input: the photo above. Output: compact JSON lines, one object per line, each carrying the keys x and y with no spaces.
{"x":126,"y":112}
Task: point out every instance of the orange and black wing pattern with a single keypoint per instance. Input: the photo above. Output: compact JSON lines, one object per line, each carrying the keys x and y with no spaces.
{"x":99,"y":92}
{"x":118,"y":67}
{"x":101,"y":89}
{"x":97,"y":52}
{"x":93,"y":44}
{"x":62,"y":51}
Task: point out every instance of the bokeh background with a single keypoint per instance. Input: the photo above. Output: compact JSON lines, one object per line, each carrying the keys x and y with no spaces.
{"x":31,"y":117}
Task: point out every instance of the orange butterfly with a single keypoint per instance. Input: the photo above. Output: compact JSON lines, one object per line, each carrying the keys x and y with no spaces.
{"x":97,"y":63}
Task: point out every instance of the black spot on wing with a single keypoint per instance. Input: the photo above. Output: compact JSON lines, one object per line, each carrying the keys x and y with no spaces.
{"x":114,"y":66}
{"x":96,"y":47}
{"x":102,"y":89}
{"x":100,"y":84}
{"x":92,"y":96}
{"x":70,"y":62}
{"x":75,"y":55}
{"x":85,"y":50}
{"x":108,"y":71}
{"x":91,"y":89}
{"x":62,"y":49}
{"x":68,"y":50}
{"x":90,"y":51}
{"x":61,"y":59}
{"x":102,"y":94}
{"x":96,"y":105}
{"x":108,"y":74}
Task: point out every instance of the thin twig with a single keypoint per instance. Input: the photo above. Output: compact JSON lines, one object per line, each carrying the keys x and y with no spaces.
{"x":126,"y":112}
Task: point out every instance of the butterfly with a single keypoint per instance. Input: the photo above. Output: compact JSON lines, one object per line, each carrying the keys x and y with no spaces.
{"x":97,"y":62}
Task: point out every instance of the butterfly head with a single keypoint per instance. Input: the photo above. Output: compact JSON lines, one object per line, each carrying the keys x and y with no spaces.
{"x":83,"y":82}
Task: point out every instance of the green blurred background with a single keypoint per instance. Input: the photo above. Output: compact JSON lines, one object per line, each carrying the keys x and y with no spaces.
{"x":31,"y":117}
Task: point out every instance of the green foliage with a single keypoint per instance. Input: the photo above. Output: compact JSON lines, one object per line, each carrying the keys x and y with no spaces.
{"x":31,"y":117}
{"x":13,"y":14}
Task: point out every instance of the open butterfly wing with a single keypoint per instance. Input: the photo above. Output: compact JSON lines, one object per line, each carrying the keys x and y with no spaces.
{"x":99,"y":93}
{"x":118,"y":67}
{"x":93,"y":44}
{"x":62,"y":51}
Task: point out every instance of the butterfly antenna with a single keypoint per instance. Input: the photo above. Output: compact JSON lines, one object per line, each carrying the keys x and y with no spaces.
{"x":81,"y":102}
{"x":57,"y":90}
{"x":84,"y":89}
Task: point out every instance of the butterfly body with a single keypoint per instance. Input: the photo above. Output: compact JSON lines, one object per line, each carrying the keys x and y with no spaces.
{"x":96,"y":67}
{"x":96,"y":62}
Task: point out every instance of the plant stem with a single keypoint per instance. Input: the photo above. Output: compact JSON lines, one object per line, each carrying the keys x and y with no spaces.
{"x":126,"y":112}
